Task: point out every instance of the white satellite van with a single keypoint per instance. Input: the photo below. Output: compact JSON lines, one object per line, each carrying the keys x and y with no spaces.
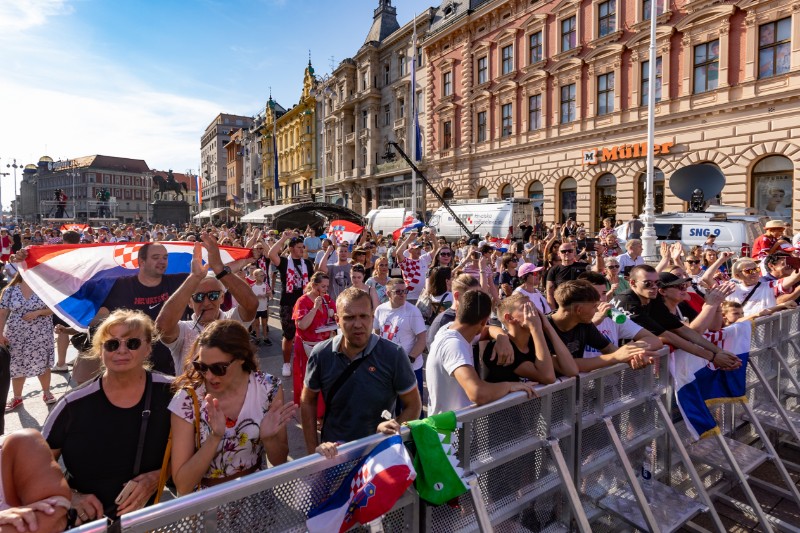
{"x":481,"y":217}
{"x":387,"y":219}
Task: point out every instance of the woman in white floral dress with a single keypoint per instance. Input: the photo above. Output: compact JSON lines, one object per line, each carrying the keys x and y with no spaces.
{"x":26,"y":327}
{"x":241,"y":410}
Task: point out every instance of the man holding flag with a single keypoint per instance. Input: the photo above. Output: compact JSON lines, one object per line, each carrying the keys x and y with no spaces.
{"x":414,"y":264}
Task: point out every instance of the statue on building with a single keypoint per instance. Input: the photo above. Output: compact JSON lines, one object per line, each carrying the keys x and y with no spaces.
{"x":103,"y":196}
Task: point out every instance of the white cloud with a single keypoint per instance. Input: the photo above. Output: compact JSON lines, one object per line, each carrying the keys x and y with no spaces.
{"x":20,"y":15}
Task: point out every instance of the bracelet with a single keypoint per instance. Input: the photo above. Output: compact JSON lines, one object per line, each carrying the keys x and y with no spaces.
{"x":714,"y":356}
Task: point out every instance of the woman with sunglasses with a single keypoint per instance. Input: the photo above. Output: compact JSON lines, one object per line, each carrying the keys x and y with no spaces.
{"x":241,"y":412}
{"x":443,"y":258}
{"x":99,"y":429}
{"x":379,"y":279}
{"x":615,"y":281}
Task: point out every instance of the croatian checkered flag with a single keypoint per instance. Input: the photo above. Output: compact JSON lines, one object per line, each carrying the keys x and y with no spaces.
{"x":344,"y":231}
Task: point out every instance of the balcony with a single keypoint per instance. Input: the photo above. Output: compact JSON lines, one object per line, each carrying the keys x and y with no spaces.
{"x":350,"y":138}
{"x":392,"y":166}
{"x":400,"y":124}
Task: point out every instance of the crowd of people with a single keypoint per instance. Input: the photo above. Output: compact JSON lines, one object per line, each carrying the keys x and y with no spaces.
{"x":375,"y":333}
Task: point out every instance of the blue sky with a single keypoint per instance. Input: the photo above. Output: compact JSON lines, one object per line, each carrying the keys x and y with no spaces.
{"x":143,"y":78}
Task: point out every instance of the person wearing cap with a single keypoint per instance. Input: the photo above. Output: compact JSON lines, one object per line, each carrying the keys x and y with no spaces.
{"x":756,"y":295}
{"x":413,"y":266}
{"x":529,"y":278}
{"x":770,"y":241}
{"x":642,"y":305}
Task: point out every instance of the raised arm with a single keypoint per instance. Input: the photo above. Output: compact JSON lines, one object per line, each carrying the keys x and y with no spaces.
{"x":399,"y":250}
{"x":708,"y":278}
{"x":275,"y":252}
{"x":173,"y":309}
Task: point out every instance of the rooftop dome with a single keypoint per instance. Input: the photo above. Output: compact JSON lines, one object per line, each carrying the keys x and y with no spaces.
{"x":30,"y":167}
{"x":45,"y":159}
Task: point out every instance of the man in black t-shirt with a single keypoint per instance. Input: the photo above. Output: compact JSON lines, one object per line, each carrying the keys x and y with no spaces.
{"x":146,"y":291}
{"x":569,"y":269}
{"x":644,"y":308}
{"x":577,"y":304}
{"x":295,"y":273}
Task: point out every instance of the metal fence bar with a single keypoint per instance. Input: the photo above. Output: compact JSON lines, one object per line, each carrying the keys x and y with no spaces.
{"x":572,"y":493}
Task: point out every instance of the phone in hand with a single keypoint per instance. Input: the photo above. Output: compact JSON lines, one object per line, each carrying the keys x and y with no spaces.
{"x":126,"y":491}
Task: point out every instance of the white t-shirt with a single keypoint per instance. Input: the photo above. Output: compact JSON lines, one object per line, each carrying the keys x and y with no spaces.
{"x":425,"y":258}
{"x":764,"y":297}
{"x":626,"y":261}
{"x":614,"y":332}
{"x":189,"y":330}
{"x":401,"y":326}
{"x":536,"y":299}
{"x":449,"y":351}
{"x":261,"y":293}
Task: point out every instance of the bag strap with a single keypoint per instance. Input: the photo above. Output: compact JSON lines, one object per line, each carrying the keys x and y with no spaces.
{"x":196,"y":408}
{"x":148,"y":394}
{"x":342,"y":379}
{"x":750,"y":294}
{"x":165,"y":473}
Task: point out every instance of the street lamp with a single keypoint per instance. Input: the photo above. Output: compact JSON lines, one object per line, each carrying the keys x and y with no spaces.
{"x":15,"y":166}
{"x":649,"y":216}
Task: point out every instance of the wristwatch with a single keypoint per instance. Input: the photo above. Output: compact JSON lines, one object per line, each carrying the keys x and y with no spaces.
{"x":225,"y":271}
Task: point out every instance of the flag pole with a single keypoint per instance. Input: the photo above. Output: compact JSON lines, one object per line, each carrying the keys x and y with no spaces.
{"x":412,"y":137}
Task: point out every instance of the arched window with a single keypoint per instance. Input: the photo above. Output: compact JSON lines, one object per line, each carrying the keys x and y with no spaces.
{"x":658,"y":190}
{"x":569,"y":199}
{"x":447,"y":194}
{"x":507,"y":192}
{"x":483,"y":192}
{"x":605,"y":190}
{"x":772,"y":187}
{"x":536,"y":196}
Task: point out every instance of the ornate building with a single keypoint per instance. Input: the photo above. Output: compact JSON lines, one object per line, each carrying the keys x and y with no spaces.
{"x":365,"y":103}
{"x":547,"y":100}
{"x":296,"y":132}
{"x":214,"y":158}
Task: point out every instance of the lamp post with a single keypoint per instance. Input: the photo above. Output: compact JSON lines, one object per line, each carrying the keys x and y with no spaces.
{"x":2,"y":175}
{"x":649,"y":217}
{"x":148,"y":193}
{"x":15,"y":166}
{"x":72,"y":173}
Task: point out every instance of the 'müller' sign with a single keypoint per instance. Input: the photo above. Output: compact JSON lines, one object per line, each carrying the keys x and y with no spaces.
{"x":624,"y":151}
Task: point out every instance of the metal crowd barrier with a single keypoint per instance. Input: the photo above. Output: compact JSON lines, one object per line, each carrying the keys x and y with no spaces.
{"x":563,"y":461}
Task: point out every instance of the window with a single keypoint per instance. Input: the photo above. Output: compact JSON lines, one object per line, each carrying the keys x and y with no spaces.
{"x":507,"y":120}
{"x":508,"y":59}
{"x":419,"y":56}
{"x":507,"y":192}
{"x":605,"y":93}
{"x":646,"y":80}
{"x":658,"y":190}
{"x":606,"y":18}
{"x":387,"y":114}
{"x":419,"y":100}
{"x":567,"y":103}
{"x":295,"y":189}
{"x":447,"y":135}
{"x":706,"y":67}
{"x":364,"y":119}
{"x":402,"y":62}
{"x":483,"y":192}
{"x":363,"y":81}
{"x":535,"y":112}
{"x":568,"y":34}
{"x":647,"y":6}
{"x":483,"y":70}
{"x":386,"y":74}
{"x":401,"y":108}
{"x":772,"y":187}
{"x":774,"y":47}
{"x":536,"y":47}
{"x":481,"y":126}
{"x":447,"y":83}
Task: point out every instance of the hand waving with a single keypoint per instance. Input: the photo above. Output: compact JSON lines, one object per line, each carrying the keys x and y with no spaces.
{"x":277,"y":417}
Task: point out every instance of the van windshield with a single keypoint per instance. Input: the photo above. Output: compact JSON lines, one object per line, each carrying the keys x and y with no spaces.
{"x":670,"y":232}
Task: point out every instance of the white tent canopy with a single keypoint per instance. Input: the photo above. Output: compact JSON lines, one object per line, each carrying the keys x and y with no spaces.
{"x":203,"y":214}
{"x":263,"y":214}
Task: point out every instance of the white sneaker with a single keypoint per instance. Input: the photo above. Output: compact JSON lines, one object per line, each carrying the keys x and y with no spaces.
{"x":287,"y":370}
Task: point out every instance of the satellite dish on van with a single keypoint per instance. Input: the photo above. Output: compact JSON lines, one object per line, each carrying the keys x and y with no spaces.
{"x":695,"y":183}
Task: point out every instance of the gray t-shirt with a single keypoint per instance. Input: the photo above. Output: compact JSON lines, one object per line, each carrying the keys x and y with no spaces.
{"x":340,"y":279}
{"x":356,"y":410}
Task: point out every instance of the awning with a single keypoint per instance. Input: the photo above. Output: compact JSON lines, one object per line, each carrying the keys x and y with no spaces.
{"x":206,"y":213}
{"x":225,"y":212}
{"x":264,"y":214}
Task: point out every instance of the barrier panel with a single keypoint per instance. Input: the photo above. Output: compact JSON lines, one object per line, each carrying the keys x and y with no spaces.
{"x":566,"y":460}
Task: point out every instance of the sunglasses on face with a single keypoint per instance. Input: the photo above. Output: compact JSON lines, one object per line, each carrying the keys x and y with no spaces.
{"x":402,"y":292}
{"x":648,"y":283}
{"x":750,"y":271}
{"x":693,"y":261}
{"x":612,"y":267}
{"x":213,"y":296}
{"x":112,"y":345}
{"x":444,"y":254}
{"x":218,"y":369}
{"x":570,"y":251}
{"x":681,"y":287}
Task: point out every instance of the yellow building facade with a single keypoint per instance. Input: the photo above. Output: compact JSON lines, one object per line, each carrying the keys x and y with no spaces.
{"x":295,"y":132}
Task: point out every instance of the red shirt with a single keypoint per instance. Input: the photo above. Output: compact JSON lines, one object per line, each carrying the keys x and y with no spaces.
{"x":302,"y":307}
{"x":761,"y":246}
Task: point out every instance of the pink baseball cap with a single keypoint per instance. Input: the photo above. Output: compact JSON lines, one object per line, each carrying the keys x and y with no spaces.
{"x":528,"y":268}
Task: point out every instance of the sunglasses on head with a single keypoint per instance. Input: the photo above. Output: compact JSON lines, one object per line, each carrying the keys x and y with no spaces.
{"x":218,"y":369}
{"x":213,"y":296}
{"x":112,"y":345}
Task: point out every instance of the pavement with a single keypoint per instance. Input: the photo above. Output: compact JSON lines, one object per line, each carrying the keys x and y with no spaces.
{"x":33,"y":412}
